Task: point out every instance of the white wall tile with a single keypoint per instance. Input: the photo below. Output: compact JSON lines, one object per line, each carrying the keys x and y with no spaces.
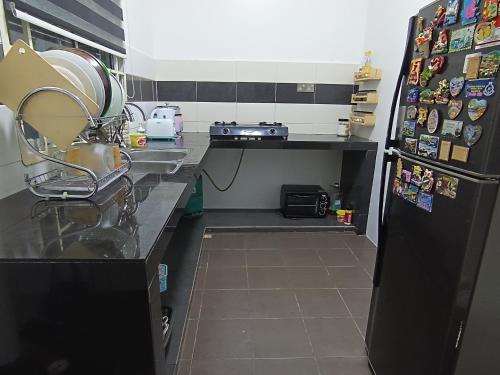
{"x":255,"y":112}
{"x":335,"y":73}
{"x":204,"y":126}
{"x":176,"y":70}
{"x":325,"y":129}
{"x":300,"y":128}
{"x":294,"y":113}
{"x":9,"y":146}
{"x":12,"y":179}
{"x":253,"y":71}
{"x":296,"y":72}
{"x":220,"y":71}
{"x":190,"y":127}
{"x":189,"y":110}
{"x":210,"y":112}
{"x":330,"y":113}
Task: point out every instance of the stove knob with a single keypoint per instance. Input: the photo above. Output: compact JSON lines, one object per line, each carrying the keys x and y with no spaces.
{"x":272,"y":131}
{"x":225,"y":131}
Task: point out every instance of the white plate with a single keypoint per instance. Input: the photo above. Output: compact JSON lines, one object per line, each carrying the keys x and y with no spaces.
{"x":73,"y":63}
{"x":117,"y":97}
{"x":70,"y":76}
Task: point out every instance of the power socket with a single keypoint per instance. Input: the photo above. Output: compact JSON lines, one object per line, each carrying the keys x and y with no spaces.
{"x":305,"y":87}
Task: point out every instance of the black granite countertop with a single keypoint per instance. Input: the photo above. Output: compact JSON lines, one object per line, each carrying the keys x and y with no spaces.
{"x":124,"y":221}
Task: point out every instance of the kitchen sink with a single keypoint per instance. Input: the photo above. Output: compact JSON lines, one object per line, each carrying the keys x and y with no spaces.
{"x":157,"y":161}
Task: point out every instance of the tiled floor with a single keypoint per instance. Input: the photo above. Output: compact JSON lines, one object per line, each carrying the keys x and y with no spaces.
{"x":280,"y":303}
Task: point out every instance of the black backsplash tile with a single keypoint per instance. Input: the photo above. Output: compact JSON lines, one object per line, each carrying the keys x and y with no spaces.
{"x":133,"y":89}
{"x":256,"y":92}
{"x":334,"y":94}
{"x":177,"y":91}
{"x":147,"y":90}
{"x":287,"y":93}
{"x":216,"y":92}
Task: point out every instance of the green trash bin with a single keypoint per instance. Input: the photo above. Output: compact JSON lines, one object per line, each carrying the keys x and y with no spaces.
{"x":195,"y":205}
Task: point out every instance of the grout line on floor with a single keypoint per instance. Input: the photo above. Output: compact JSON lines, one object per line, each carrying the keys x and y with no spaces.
{"x":353,"y":319}
{"x":360,"y":264}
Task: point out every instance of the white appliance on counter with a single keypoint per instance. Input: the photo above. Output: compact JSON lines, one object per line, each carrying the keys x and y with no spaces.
{"x":161,"y":124}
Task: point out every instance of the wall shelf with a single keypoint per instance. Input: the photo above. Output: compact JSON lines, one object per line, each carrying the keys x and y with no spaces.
{"x":364,"y":97}
{"x":374,"y":75}
{"x":363,"y":119}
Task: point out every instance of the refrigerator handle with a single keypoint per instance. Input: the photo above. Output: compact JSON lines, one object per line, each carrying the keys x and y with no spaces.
{"x":389,"y":142}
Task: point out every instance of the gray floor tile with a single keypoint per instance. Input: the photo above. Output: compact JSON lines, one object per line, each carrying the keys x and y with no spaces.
{"x":337,"y":257}
{"x":359,"y":242}
{"x":362,"y":323}
{"x":301,"y":258}
{"x":268,"y":278}
{"x":224,"y":339}
{"x":195,"y":305}
{"x":273,"y":304}
{"x":358,"y":301}
{"x":228,"y":278}
{"x":265,"y":258}
{"x":189,"y":339}
{"x":224,"y":241}
{"x":226,"y":259}
{"x":288,"y":366}
{"x":350,"y":277}
{"x":367,"y":259}
{"x":203,"y":261}
{"x":183,"y":367}
{"x":332,"y":337}
{"x":311,"y":278}
{"x":280,"y":338}
{"x":344,"y":366}
{"x":199,"y":281}
{"x":225,"y":304}
{"x":222,"y":367}
{"x":321,"y":303}
{"x":263,"y":240}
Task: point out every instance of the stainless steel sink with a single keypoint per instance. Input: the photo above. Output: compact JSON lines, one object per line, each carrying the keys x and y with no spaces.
{"x":157,"y":161}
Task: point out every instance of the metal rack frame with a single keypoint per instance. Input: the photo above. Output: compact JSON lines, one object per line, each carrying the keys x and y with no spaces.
{"x":56,"y":183}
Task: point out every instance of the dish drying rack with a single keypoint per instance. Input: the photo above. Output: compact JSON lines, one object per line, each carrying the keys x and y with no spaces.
{"x":57,"y":183}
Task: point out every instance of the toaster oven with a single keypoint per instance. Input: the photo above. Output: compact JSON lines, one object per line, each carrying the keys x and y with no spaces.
{"x":304,"y":201}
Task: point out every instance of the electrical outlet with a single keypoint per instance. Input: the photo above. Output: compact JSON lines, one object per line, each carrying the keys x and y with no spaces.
{"x":305,"y":87}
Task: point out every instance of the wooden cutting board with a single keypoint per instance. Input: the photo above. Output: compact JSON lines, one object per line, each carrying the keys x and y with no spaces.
{"x":52,"y":114}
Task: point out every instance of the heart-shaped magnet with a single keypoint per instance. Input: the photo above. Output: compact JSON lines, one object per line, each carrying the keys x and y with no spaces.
{"x":477,"y":108}
{"x":456,"y":86}
{"x":454,"y":108}
{"x":472,"y":133}
{"x":433,"y":121}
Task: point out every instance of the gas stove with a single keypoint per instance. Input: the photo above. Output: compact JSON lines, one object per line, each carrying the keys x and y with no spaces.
{"x":260,"y":131}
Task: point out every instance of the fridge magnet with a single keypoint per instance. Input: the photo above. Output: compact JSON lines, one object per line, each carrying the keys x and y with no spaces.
{"x":408,"y":129}
{"x":439,"y":17}
{"x":471,"y":65}
{"x":444,"y":151}
{"x":397,"y":187}
{"x":462,"y":39}
{"x":413,"y":95}
{"x":415,"y":70}
{"x":480,"y":88}
{"x":437,"y":64}
{"x":446,"y":185}
{"x":427,"y":181}
{"x":424,"y":201}
{"x":489,"y":65}
{"x":416,"y":178}
{"x":411,"y":112}
{"x":433,"y":121}
{"x":410,"y":193}
{"x":427,"y":96}
{"x":423,"y":113}
{"x":454,"y":108}
{"x":490,"y":10}
{"x":470,"y":12}
{"x":399,"y":168}
{"x":460,"y":153}
{"x":451,"y":16}
{"x":410,"y":145}
{"x":419,"y":29}
{"x":423,"y":41}
{"x":425,"y":77}
{"x":442,"y":94}
{"x":452,"y":128}
{"x":472,"y":134}
{"x":441,"y":45}
{"x":477,"y":108}
{"x":456,"y":86}
{"x":486,"y":32}
{"x":406,"y":176}
{"x":428,"y":146}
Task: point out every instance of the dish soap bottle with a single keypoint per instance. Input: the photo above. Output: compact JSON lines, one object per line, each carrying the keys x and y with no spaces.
{"x":336,"y":201}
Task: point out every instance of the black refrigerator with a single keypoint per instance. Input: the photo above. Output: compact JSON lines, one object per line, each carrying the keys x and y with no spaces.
{"x":435,"y":307}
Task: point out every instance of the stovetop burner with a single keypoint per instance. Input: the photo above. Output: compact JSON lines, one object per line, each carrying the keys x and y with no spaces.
{"x":259,"y":131}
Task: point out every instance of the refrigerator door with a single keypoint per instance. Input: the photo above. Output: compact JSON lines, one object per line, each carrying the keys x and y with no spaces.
{"x":426,"y":268}
{"x":484,"y":156}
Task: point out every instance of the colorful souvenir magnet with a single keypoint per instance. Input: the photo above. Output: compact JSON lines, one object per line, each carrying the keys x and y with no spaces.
{"x":413,"y":95}
{"x":427,"y":181}
{"x":471,"y":66}
{"x":441,"y":45}
{"x":410,"y":193}
{"x":470,"y":11}
{"x":454,"y":108}
{"x":452,"y":128}
{"x":437,"y":64}
{"x":423,"y":113}
{"x":419,"y":29}
{"x":425,"y":77}
{"x":415,"y":69}
{"x":410,"y":145}
{"x":490,"y":10}
{"x":416,"y":178}
{"x":408,"y":129}
{"x":439,"y":17}
{"x":424,"y":201}
{"x":444,"y":151}
{"x":433,"y":121}
{"x":397,"y":187}
{"x":427,"y":96}
{"x":446,"y":185}
{"x":442,"y":93}
{"x":423,"y":42}
{"x":428,"y":146}
{"x":462,"y":39}
{"x":411,"y":112}
{"x":406,"y":176}
{"x":472,"y":133}
{"x":485,"y":32}
{"x":489,"y":65}
{"x":452,"y":9}
{"x":477,"y":108}
{"x":460,"y":153}
{"x":456,"y":86}
{"x":399,"y":168}
{"x":480,"y":88}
